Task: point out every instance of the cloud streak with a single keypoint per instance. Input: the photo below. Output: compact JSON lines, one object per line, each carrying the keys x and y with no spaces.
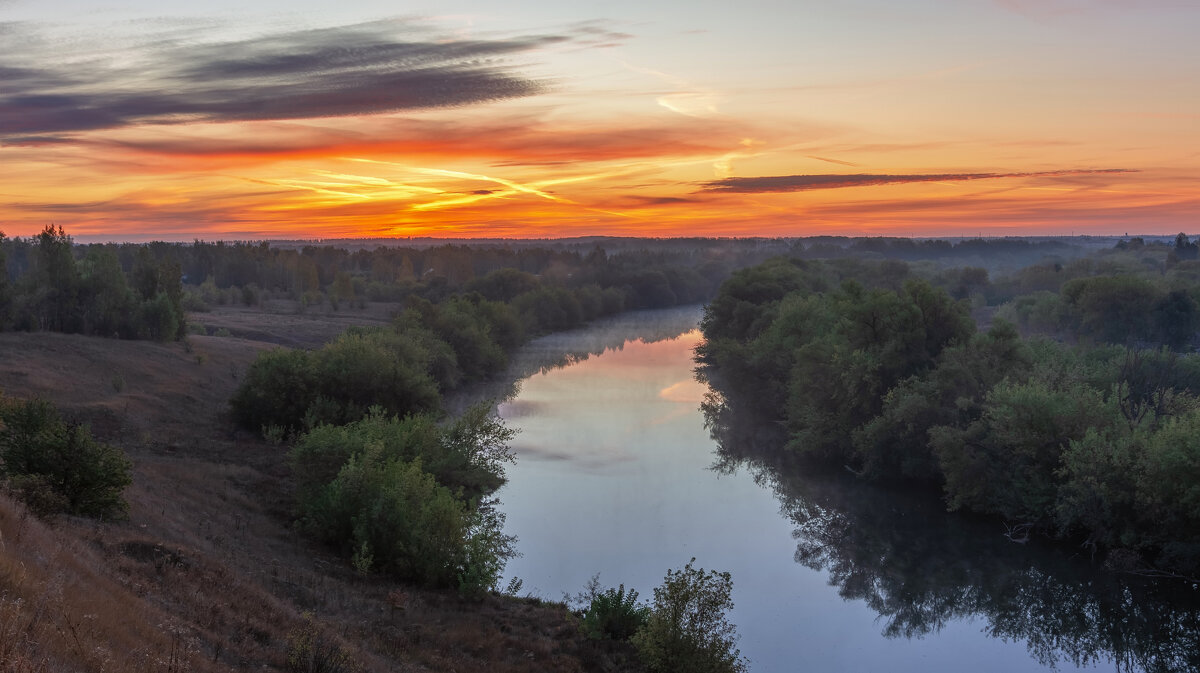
{"x":515,"y":140}
{"x":803,"y":183}
{"x":363,"y":69}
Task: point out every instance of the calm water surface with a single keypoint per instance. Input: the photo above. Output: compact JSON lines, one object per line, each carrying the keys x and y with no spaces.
{"x":615,"y":475}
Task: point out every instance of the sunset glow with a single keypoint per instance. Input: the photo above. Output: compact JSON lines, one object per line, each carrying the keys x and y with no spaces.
{"x":175,"y":121}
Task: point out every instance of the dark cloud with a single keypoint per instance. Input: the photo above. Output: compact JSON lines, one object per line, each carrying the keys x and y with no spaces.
{"x":657,"y":200}
{"x":353,"y":70}
{"x":801,"y":183}
{"x":32,"y":141}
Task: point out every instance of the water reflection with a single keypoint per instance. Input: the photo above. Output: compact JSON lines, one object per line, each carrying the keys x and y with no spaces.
{"x":563,"y":349}
{"x":921,"y":569}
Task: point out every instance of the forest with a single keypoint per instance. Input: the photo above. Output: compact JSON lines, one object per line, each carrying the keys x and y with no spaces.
{"x":1047,"y":383}
{"x":1063,"y":398}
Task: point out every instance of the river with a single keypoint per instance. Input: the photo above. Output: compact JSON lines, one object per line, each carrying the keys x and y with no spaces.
{"x":618,"y":474}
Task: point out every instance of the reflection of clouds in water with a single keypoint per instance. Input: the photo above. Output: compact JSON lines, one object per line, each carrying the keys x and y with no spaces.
{"x":689,"y":391}
{"x":563,"y":349}
{"x":599,"y":460}
{"x":681,"y":412}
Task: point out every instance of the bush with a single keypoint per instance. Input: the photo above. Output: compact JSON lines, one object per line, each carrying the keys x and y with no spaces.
{"x":687,"y":631}
{"x":57,"y":466}
{"x":615,"y":614}
{"x":311,"y":650}
{"x":298,"y":390}
{"x":407,"y":497}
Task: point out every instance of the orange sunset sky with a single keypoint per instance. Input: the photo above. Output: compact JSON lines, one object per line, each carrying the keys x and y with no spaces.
{"x":136,"y":120}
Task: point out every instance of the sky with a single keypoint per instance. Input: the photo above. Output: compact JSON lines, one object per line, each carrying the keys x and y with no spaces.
{"x":171,"y":120}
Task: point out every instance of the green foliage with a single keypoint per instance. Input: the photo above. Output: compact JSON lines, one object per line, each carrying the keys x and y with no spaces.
{"x":91,"y":295}
{"x":895,"y":443}
{"x":406,"y":497}
{"x":295,"y":390}
{"x":548,"y":309}
{"x":56,"y":465}
{"x":850,"y":348}
{"x":1099,"y":490}
{"x":687,"y":630}
{"x":743,"y":307}
{"x":1007,"y":462}
{"x":614,"y":613}
{"x":429,"y":350}
{"x":467,"y":454}
{"x":885,"y":376}
{"x":1113,"y":308}
{"x":1168,"y":487}
{"x":504,"y":284}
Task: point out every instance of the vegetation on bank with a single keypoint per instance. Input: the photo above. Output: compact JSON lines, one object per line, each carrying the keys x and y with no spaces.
{"x":407,"y":497}
{"x":683,"y":630}
{"x":898,"y":552}
{"x":885,"y":373}
{"x":460,"y":321}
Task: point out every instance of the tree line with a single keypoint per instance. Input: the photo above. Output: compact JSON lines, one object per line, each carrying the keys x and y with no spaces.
{"x":1089,"y":437}
{"x":46,"y":285}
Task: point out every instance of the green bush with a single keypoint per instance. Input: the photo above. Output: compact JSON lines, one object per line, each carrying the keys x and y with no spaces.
{"x":687,"y":631}
{"x":615,"y":614}
{"x":57,"y":466}
{"x":407,"y":497}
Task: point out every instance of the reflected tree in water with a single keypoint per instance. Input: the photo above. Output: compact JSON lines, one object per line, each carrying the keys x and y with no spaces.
{"x":921,"y":568}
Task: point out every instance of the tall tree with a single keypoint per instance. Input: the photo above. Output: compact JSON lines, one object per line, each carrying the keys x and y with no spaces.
{"x":5,"y":286}
{"x":55,"y":283}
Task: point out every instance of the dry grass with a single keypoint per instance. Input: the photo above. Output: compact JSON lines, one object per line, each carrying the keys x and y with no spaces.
{"x":282,"y":322}
{"x":60,"y":610}
{"x":208,"y":574}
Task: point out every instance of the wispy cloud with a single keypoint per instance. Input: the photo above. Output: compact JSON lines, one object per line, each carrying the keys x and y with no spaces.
{"x":362,"y":69}
{"x":832,"y":161}
{"x":515,"y":140}
{"x":686,"y":99}
{"x":801,"y":183}
{"x":1052,"y":8}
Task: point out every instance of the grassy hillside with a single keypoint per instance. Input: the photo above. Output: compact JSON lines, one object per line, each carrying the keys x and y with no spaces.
{"x":207,"y":573}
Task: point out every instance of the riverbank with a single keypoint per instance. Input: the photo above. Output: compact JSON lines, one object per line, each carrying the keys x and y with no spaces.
{"x":207,"y":571}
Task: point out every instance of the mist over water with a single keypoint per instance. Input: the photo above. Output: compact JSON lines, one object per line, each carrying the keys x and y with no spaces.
{"x":618,"y":474}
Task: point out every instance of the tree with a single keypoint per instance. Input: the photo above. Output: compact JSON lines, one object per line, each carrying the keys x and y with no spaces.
{"x":1008,"y":462}
{"x":1116,"y":309}
{"x":408,"y":497}
{"x":687,"y":631}
{"x":57,"y":466}
{"x":5,"y":286}
{"x":55,"y":284}
{"x":1185,"y":249}
{"x":105,"y":297}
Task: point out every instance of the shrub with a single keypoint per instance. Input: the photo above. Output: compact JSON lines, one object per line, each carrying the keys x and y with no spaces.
{"x":407,"y":497}
{"x":56,"y":465}
{"x":615,"y":614}
{"x":311,"y":650}
{"x":687,"y":631}
{"x":297,"y":390}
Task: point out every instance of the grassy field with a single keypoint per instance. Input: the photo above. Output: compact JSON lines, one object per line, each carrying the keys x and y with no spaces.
{"x":207,"y":573}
